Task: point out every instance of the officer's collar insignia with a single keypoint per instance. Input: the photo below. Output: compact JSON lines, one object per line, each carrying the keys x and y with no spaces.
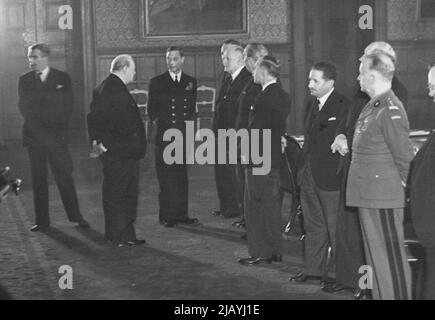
{"x":377,"y":104}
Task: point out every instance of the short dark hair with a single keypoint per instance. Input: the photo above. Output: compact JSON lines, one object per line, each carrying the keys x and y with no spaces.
{"x":232,"y":42}
{"x":42,"y":47}
{"x":329,"y":70}
{"x":431,"y":65}
{"x":175,"y":48}
{"x":271,"y":64}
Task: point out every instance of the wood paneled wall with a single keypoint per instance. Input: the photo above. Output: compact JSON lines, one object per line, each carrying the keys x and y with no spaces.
{"x":204,"y":63}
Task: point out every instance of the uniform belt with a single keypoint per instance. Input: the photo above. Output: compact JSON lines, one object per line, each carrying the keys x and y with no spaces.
{"x":372,"y":158}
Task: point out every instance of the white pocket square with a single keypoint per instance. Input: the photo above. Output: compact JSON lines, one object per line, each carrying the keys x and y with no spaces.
{"x":332,"y":119}
{"x":59,"y":86}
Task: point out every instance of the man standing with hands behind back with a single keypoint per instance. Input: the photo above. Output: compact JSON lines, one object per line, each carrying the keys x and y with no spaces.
{"x":46,"y":104}
{"x":381,"y":156}
{"x":118,"y":135}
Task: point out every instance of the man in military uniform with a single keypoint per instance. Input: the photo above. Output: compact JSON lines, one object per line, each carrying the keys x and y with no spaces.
{"x":225,"y":118}
{"x":350,"y":248}
{"x":381,"y":155}
{"x":172,"y":101}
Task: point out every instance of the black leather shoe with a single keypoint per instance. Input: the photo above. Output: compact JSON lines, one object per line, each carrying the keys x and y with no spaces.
{"x":302,"y":277}
{"x":332,"y":287}
{"x":168,"y":223}
{"x":39,"y":228}
{"x":277,"y":258}
{"x":136,"y":242}
{"x":252,"y":261}
{"x":359,"y":294}
{"x":189,"y":221}
{"x":237,"y":222}
{"x":82,"y":223}
{"x":217,"y":213}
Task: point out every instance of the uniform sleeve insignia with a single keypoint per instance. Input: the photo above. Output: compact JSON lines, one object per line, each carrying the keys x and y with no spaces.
{"x":396,"y":117}
{"x":394,"y":108}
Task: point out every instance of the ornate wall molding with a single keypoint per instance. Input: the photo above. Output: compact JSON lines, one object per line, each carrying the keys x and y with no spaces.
{"x":403,"y":22}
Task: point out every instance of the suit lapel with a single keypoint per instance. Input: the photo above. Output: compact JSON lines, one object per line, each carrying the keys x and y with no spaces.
{"x":329,"y":104}
{"x":309,"y":121}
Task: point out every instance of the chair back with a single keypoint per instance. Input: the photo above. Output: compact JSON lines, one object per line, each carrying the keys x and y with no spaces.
{"x":205,"y":106}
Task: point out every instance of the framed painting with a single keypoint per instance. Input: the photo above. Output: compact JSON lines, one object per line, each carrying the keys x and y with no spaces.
{"x":426,"y":10}
{"x":177,"y":18}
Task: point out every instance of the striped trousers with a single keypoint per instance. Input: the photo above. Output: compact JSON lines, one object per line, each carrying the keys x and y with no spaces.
{"x":383,"y":236}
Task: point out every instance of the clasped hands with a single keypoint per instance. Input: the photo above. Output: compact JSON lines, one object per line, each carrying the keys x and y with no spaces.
{"x":340,"y":145}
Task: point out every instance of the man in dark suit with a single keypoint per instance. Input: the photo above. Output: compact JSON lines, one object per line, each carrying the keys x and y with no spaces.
{"x":46,"y":104}
{"x":225,"y":117}
{"x":320,"y":184}
{"x":423,"y":201}
{"x":262,"y":194}
{"x":172,"y":101}
{"x":117,"y":132}
{"x":252,"y":53}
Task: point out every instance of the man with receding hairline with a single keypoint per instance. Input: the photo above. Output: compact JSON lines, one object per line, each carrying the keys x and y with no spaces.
{"x":46,"y":104}
{"x":118,"y":137}
{"x":317,"y":177}
{"x":225,"y":117}
{"x":381,"y":155}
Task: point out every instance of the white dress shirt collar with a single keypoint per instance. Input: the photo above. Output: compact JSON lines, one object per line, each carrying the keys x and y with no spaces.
{"x":323,"y":99}
{"x":172,"y":74}
{"x":269,"y":83}
{"x":236,"y":73}
{"x":44,"y":74}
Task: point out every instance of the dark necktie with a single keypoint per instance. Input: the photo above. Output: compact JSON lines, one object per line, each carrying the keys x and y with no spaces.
{"x":38,"y":76}
{"x":176,"y":78}
{"x":316,"y":110}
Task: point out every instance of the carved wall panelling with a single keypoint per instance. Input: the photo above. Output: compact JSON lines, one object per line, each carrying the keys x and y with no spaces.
{"x":118,"y":26}
{"x":403,"y":22}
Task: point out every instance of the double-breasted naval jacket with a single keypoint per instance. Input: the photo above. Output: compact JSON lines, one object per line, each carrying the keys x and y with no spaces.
{"x":170,"y":104}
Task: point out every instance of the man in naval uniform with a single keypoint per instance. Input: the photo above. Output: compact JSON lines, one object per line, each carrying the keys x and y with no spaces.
{"x":172,"y":100}
{"x":381,"y":155}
